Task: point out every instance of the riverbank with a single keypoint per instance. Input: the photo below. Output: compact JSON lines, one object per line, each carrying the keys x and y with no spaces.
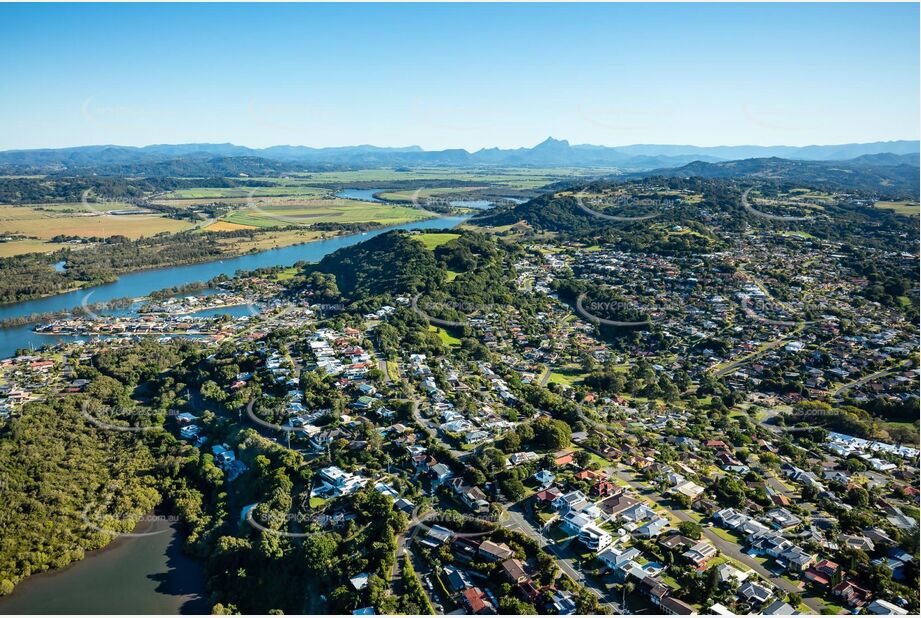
{"x":132,"y":575}
{"x":142,"y":283}
{"x":268,"y":241}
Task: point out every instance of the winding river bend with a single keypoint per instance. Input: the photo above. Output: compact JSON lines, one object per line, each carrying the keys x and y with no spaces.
{"x":133,"y":285}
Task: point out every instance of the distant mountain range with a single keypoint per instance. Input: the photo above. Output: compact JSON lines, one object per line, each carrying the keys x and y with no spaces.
{"x":551,"y":152}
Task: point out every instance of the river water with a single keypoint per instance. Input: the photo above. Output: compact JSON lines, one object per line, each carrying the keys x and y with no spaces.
{"x":362,"y":195}
{"x":133,"y":575}
{"x":133,"y":285}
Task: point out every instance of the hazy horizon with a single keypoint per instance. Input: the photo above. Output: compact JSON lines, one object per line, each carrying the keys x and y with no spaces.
{"x":405,"y":146}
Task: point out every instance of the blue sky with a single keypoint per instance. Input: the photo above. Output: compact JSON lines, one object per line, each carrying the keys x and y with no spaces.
{"x":466,"y":76}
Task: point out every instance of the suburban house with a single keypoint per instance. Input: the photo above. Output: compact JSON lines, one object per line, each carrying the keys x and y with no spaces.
{"x":478,"y":602}
{"x":495,"y":552}
{"x":594,"y":537}
{"x":700,"y":554}
{"x":851,"y":593}
{"x":755,"y":593}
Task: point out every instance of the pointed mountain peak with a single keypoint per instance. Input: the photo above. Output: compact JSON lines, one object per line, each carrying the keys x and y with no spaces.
{"x":552,"y":143}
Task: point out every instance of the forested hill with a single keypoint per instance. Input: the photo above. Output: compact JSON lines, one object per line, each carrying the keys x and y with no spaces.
{"x":193,"y":167}
{"x":893,"y":176}
{"x":404,"y":263}
{"x":551,"y":212}
{"x":391,"y":263}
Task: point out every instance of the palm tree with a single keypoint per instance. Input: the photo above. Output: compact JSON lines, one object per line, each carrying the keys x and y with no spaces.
{"x":626,"y":589}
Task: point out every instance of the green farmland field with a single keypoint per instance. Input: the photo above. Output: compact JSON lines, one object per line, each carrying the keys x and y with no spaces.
{"x":335,"y":211}
{"x":238,"y":192}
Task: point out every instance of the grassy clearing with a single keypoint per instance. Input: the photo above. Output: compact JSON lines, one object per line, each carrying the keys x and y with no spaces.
{"x":806,"y":235}
{"x":431,"y":241}
{"x":29,"y":245}
{"x":286,"y":274}
{"x":446,"y":338}
{"x":670,"y":581}
{"x":890,"y":425}
{"x":90,"y":208}
{"x":275,"y":240}
{"x":907,"y":208}
{"x":45,"y":224}
{"x":227,"y":226}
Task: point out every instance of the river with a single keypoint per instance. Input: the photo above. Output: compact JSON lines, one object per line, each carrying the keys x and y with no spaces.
{"x":133,"y":575}
{"x":142,"y":283}
{"x":362,"y":195}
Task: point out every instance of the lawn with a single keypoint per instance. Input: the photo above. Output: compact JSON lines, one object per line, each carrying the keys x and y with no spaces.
{"x":725,"y":535}
{"x":670,"y":581}
{"x":433,"y":240}
{"x":544,"y":518}
{"x":834,"y":608}
{"x":557,"y":534}
{"x":567,"y":376}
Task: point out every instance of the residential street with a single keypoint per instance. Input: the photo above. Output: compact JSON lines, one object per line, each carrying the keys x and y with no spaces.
{"x":518,"y":522}
{"x":727,"y":548}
